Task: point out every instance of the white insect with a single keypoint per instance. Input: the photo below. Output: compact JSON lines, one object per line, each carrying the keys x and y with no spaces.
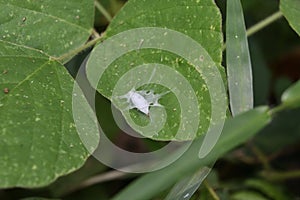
{"x":143,"y":99}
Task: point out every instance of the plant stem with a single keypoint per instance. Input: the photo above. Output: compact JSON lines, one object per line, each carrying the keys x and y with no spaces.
{"x":103,"y":11}
{"x":211,"y":191}
{"x":277,"y":109}
{"x":96,"y":34}
{"x":261,"y":25}
{"x":281,"y":176}
{"x":78,"y":50}
{"x":261,"y":156}
{"x":264,"y":23}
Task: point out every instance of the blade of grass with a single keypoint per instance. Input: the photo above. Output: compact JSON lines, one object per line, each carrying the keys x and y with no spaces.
{"x":239,"y":69}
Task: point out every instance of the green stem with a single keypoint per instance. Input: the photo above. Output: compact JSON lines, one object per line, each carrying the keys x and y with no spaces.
{"x":261,"y":157}
{"x":277,"y":109}
{"x":211,"y":191}
{"x":264,"y":23}
{"x":103,"y":11}
{"x":78,"y":50}
{"x":261,"y":25}
{"x":281,"y":176}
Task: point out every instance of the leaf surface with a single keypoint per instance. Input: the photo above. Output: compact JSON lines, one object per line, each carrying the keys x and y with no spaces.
{"x":291,"y":11}
{"x":239,"y":70}
{"x":54,"y":27}
{"x":154,"y":46}
{"x":39,"y":141}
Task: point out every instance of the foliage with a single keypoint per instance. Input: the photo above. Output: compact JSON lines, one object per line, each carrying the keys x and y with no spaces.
{"x":44,"y":43}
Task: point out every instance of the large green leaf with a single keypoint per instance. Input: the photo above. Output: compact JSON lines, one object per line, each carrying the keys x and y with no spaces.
{"x":199,"y":19}
{"x":233,"y":135}
{"x":136,"y":56}
{"x":291,"y":11}
{"x":54,"y":27}
{"x":238,"y":61}
{"x":39,"y":141}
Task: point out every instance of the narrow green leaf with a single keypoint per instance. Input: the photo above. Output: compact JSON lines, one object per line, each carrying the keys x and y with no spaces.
{"x":269,"y":189}
{"x":52,"y":26}
{"x":238,"y":61}
{"x":291,"y":11}
{"x":233,"y":135}
{"x":247,"y":195}
{"x":291,"y":97}
{"x":189,"y":185}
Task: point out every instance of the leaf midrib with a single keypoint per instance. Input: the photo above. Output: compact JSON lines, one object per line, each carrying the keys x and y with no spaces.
{"x":26,"y":79}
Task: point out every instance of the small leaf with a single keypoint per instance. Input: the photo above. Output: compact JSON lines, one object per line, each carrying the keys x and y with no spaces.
{"x":189,"y":185}
{"x":291,"y":11}
{"x":238,"y":61}
{"x":291,"y":97}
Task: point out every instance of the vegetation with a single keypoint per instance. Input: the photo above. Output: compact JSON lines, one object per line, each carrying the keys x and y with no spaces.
{"x":220,"y":78}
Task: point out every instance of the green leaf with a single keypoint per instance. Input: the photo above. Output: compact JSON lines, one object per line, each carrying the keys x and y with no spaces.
{"x":246,"y":195}
{"x":133,"y":59}
{"x":291,"y":11}
{"x":54,"y":27}
{"x":239,"y":71}
{"x":189,"y":185}
{"x":184,"y":16}
{"x":291,"y":97}
{"x":267,"y":188}
{"x":233,"y":135}
{"x":39,"y":141}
